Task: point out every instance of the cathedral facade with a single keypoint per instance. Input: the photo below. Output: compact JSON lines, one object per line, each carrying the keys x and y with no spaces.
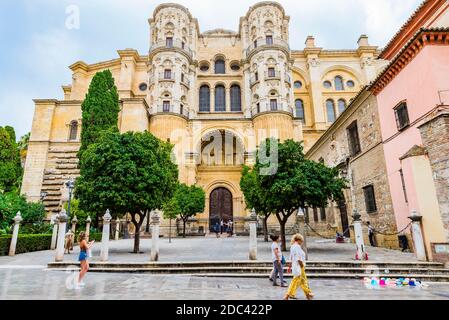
{"x":214,"y":95}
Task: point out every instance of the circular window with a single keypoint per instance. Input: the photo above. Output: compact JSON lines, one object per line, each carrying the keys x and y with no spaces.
{"x":298,"y":84}
{"x":143,"y":87}
{"x":327,"y":84}
{"x":235,"y":67}
{"x":204,"y":67}
{"x":350,"y":84}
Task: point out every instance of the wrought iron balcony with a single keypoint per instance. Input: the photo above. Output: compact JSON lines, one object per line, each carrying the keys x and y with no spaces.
{"x":174,"y":44}
{"x":172,"y":109}
{"x":272,"y":75}
{"x":267,"y":107}
{"x":267,"y":44}
{"x":167,"y":76}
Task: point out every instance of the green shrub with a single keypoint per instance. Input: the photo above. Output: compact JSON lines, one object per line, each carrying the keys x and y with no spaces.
{"x":26,"y":243}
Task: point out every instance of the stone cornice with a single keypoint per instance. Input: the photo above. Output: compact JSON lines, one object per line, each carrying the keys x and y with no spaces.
{"x":424,"y":37}
{"x":417,"y":20}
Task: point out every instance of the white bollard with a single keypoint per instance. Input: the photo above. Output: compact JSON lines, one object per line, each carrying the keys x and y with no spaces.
{"x":88,"y":222}
{"x":358,"y":233}
{"x":155,"y":223}
{"x":15,"y":234}
{"x":253,"y":236}
{"x":74,"y":222}
{"x":117,"y":229}
{"x":105,"y":237}
{"x":61,"y":236}
{"x":55,"y":232}
{"x":418,"y":239}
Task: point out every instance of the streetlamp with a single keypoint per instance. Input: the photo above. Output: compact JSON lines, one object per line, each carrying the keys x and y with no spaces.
{"x":70,"y":185}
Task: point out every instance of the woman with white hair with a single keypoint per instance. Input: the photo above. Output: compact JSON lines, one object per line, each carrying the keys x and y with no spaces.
{"x":298,"y":268}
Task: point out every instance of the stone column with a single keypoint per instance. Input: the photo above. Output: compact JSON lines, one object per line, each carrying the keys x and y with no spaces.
{"x":155,"y":223}
{"x":418,"y":239}
{"x":117,"y":229}
{"x":253,"y":235}
{"x":15,"y":234}
{"x":301,"y":222}
{"x":55,"y":233}
{"x":105,"y":237}
{"x":358,"y":234}
{"x":88,"y":222}
{"x":62,"y":223}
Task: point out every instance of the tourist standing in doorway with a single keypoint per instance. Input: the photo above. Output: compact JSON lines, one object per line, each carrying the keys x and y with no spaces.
{"x":298,"y":268}
{"x":371,"y":234}
{"x":276,"y":255}
{"x":217,"y":229}
{"x":84,"y":247}
{"x":230,"y":228}
{"x":221,"y":226}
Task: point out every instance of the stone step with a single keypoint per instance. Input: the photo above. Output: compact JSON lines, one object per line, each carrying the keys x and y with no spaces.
{"x":263,"y":264}
{"x":310,"y":275}
{"x":267,"y":270}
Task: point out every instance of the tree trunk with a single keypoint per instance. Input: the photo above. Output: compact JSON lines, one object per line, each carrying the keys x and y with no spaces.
{"x":137,"y":225}
{"x":283,"y":240}
{"x":265,"y":228}
{"x":137,"y":237}
{"x":184,"y":228}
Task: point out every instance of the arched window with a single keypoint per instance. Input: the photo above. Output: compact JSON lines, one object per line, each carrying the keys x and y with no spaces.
{"x":204,"y":99}
{"x":330,"y":107}
{"x":299,"y":108}
{"x":236,"y":98}
{"x":73,"y":130}
{"x":220,"y":98}
{"x":339,"y":83}
{"x":341,"y":106}
{"x":220,"y":67}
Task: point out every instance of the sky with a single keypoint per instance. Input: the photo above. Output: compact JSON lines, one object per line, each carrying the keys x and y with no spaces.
{"x":39,"y":39}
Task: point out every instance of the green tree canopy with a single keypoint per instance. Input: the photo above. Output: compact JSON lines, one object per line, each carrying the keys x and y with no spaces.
{"x":255,"y":196}
{"x":126,"y":173}
{"x":100,"y":109}
{"x":187,"y":202}
{"x":10,"y":165}
{"x":11,"y":203}
{"x":289,"y":181}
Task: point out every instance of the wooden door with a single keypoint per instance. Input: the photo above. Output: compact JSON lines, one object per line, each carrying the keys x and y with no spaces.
{"x":220,"y":206}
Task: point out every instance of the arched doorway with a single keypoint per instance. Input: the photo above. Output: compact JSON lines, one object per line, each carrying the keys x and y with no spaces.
{"x":221,"y":207}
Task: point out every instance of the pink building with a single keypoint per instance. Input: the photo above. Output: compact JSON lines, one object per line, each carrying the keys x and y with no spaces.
{"x":413,"y":87}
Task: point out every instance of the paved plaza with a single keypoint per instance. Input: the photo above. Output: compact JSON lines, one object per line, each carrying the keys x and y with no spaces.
{"x":26,"y":276}
{"x":37,"y":284}
{"x":211,"y":249}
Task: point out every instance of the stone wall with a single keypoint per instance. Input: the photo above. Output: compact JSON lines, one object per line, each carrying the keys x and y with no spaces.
{"x":362,"y":170}
{"x":435,"y":135}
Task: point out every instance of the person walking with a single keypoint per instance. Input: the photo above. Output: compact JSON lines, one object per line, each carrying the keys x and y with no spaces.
{"x":371,"y":234}
{"x":298,"y":268}
{"x":277,"y":258}
{"x":230,"y":230}
{"x":221,"y":226}
{"x":84,"y":248}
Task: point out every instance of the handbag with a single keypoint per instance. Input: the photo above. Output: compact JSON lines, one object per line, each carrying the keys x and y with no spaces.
{"x":283,"y":261}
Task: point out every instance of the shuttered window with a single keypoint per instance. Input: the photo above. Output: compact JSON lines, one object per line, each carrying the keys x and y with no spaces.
{"x":370,"y":199}
{"x":236,"y":98}
{"x":353,"y":138}
{"x":402,"y":118}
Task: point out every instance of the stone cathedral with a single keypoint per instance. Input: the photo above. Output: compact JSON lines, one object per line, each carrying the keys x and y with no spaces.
{"x":232,"y":88}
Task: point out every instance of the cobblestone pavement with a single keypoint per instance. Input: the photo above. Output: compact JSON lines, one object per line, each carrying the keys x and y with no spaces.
{"x":211,"y":249}
{"x":37,"y":284}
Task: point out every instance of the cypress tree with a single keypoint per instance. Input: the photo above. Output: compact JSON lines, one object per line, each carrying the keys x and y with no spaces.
{"x":10,"y":165}
{"x":100,"y":109}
